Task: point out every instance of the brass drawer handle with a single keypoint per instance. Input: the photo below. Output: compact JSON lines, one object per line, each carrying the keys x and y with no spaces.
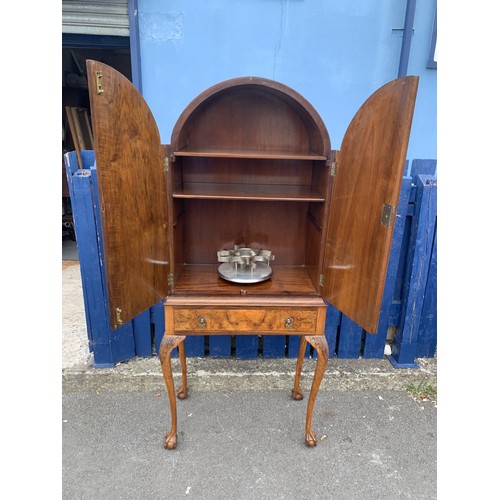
{"x":202,"y":322}
{"x":289,"y":323}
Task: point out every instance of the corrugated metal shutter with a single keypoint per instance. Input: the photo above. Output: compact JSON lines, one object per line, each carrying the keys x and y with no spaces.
{"x":94,"y":17}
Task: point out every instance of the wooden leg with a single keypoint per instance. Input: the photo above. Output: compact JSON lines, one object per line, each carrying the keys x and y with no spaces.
{"x":168,"y":344}
{"x":319,"y":343}
{"x":297,"y":393}
{"x":183,"y":391}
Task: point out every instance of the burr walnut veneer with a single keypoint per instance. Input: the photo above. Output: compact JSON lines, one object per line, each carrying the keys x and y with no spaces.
{"x":249,"y":163}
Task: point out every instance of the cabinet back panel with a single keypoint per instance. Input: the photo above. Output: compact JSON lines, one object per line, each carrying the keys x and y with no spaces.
{"x":247,"y":118}
{"x":247,"y":171}
{"x":254,"y":114}
{"x":211,"y":225}
{"x":178,"y":235}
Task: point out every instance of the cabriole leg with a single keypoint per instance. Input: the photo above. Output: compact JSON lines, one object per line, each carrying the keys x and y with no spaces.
{"x":183,"y":391}
{"x":168,"y":344}
{"x":319,"y":343}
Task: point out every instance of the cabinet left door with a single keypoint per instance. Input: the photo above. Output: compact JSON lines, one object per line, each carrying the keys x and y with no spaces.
{"x":132,"y":187}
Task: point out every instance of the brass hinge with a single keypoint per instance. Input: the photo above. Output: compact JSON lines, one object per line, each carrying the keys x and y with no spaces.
{"x":170,"y":280}
{"x":321,"y":280}
{"x":98,"y":82}
{"x":166,"y":164}
{"x":333,"y":168}
{"x":387,"y":215}
{"x":118,"y":312}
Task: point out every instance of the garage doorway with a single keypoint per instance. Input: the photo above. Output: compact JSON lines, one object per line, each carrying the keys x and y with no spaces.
{"x":103,"y":31}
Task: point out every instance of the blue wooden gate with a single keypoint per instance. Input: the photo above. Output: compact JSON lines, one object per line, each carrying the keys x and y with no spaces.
{"x":408,"y":306}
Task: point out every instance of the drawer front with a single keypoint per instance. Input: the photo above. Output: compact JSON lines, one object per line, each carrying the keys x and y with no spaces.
{"x":247,"y":320}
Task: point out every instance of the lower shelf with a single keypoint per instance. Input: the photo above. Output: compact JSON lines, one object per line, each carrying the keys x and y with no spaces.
{"x":203,"y":279}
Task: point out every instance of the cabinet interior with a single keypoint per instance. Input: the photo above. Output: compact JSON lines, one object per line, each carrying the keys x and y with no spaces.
{"x":249,"y":169}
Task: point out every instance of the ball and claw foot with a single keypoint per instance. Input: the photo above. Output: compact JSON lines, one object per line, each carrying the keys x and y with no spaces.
{"x":297,"y":395}
{"x":182,"y":394}
{"x":310,"y":440}
{"x":170,"y":441}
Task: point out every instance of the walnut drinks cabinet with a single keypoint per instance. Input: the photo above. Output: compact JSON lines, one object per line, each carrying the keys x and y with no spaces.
{"x":249,"y":163}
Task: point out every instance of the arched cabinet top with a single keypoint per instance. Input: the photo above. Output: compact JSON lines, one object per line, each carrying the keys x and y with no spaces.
{"x":251,"y":116}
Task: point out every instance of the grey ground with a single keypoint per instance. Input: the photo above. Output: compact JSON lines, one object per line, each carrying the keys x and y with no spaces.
{"x":240,"y":433}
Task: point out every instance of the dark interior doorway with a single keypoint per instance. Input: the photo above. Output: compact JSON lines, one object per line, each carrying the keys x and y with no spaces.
{"x":76,"y":49}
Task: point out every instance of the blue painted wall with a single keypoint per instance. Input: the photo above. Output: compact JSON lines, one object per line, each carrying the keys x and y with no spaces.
{"x":335,"y":53}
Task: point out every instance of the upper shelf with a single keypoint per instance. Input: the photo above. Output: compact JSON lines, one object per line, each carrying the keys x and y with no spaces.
{"x":220,"y":191}
{"x":247,"y":153}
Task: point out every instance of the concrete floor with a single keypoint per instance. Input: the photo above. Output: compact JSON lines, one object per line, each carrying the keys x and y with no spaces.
{"x":75,"y":349}
{"x":248,"y":446}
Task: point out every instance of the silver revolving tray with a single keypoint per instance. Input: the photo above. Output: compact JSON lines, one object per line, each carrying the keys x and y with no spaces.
{"x":245,"y":265}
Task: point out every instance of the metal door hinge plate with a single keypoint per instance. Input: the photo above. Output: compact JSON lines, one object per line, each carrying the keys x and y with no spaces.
{"x":333,"y":168}
{"x":387,"y":215}
{"x":170,"y":280}
{"x":98,"y":82}
{"x":321,"y":280}
{"x":166,"y":164}
{"x":118,"y":312}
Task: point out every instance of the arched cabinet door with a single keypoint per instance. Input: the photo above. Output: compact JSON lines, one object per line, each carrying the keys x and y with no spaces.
{"x":364,"y":200}
{"x":132,"y":194}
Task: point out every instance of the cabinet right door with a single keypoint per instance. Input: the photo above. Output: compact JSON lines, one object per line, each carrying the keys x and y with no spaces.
{"x":365,"y":193}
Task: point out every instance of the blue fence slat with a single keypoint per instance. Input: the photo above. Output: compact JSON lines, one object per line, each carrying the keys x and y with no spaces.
{"x":157,"y":317}
{"x":418,"y":167}
{"x":350,"y":335}
{"x":247,"y":346}
{"x":395,"y":313}
{"x":375,"y":344}
{"x":273,"y":346}
{"x":219,"y":345}
{"x":427,"y":332}
{"x":81,"y":219}
{"x":122,"y":343}
{"x":293,"y":345}
{"x":195,"y":345}
{"x":333,"y":317}
{"x":404,"y":349}
{"x":400,"y":285}
{"x":88,"y":254}
{"x":88,"y":158}
{"x":142,"y":334}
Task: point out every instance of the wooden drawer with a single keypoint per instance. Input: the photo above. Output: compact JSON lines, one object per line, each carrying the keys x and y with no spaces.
{"x":289,"y":321}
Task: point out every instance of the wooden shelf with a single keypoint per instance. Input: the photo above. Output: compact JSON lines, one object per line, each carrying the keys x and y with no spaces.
{"x":271,"y":192}
{"x":248,"y":153}
{"x":199,"y":279}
